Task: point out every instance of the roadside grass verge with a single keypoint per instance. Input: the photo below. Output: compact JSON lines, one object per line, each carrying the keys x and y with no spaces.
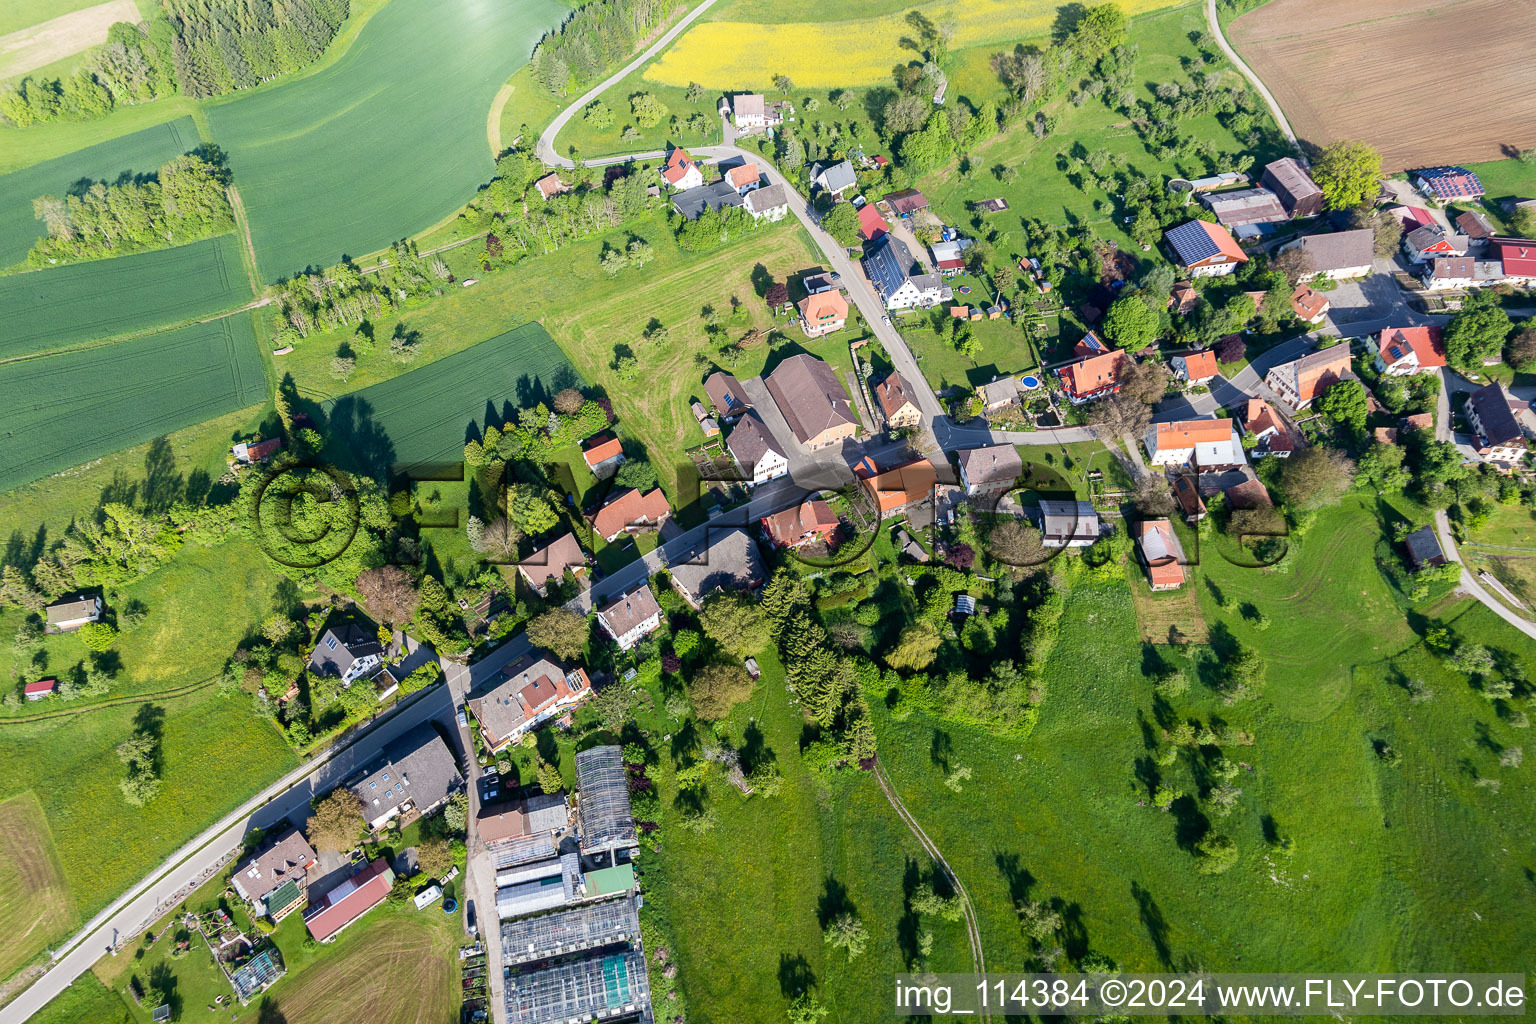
{"x":35,"y":907}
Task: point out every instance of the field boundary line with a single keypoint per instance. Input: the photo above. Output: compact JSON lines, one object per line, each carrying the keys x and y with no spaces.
{"x":1247,"y":72}
{"x":247,"y":247}
{"x":972,"y":929}
{"x":140,"y":698}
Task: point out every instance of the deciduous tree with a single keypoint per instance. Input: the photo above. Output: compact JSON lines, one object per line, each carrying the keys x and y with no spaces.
{"x":1349,"y":173}
{"x":336,"y":821}
{"x":560,"y":630}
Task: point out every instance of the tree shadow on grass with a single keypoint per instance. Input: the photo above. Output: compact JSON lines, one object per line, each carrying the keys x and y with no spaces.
{"x":1153,"y":921}
{"x":795,"y":975}
{"x":834,"y":902}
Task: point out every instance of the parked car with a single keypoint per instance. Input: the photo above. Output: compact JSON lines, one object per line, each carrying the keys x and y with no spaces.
{"x":463,"y":719}
{"x":469,"y":917}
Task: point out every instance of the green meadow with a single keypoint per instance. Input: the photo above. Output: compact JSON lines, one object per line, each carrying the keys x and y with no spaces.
{"x":79,"y":405}
{"x":87,"y":302}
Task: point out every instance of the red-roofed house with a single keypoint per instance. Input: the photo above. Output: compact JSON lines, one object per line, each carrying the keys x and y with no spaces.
{"x":632,"y":512}
{"x":603,"y":455}
{"x":807,"y":522}
{"x":681,"y":171}
{"x":1518,"y":256}
{"x":1196,"y":367}
{"x":1093,"y":377}
{"x":1205,"y":249}
{"x":900,"y":487}
{"x":349,"y":901}
{"x":1302,"y":380}
{"x":1309,"y":305}
{"x":743,"y":178}
{"x":550,"y":186}
{"x":1411,"y":217}
{"x":1407,"y":350}
{"x":253,"y":452}
{"x":1207,"y":444}
{"x":40,"y":689}
{"x":823,"y":313}
{"x":1261,"y":420}
{"x":871,"y":224}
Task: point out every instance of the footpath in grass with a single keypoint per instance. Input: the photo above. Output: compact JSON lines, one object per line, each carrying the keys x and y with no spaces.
{"x":80,"y":405}
{"x":132,"y":155}
{"x":87,"y":302}
{"x":419,"y":422}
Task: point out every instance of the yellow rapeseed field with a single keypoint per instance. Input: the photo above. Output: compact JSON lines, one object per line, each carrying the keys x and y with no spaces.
{"x":829,"y":54}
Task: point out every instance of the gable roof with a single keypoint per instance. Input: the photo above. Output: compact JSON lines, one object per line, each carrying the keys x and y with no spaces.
{"x":907,"y":200}
{"x":631,"y":507}
{"x":726,"y":392}
{"x":1308,"y":303}
{"x":600,"y":451}
{"x":1423,"y":545}
{"x":340,"y":647}
{"x":284,"y":859}
{"x":417,"y":767}
{"x":1315,"y":371}
{"x":81,"y":607}
{"x":677,"y":166}
{"x":1161,"y":550}
{"x":1474,"y":225}
{"x":629,"y":611}
{"x":714,"y":196}
{"x":808,"y":394}
{"x":769,"y":197}
{"x":1075,"y":519}
{"x":1249,"y":494}
{"x":790,"y":525}
{"x":748,"y":104}
{"x":40,"y":686}
{"x":728,"y":560}
{"x":894,"y":394}
{"x":1089,"y":375}
{"x":1199,"y":365}
{"x":1496,"y":411}
{"x":824,"y":307}
{"x":1433,"y":237}
{"x":349,"y":900}
{"x":550,"y":185}
{"x":901,"y":485}
{"x":526,"y":687}
{"x":1199,"y":241}
{"x":871,"y":224}
{"x":889,"y":263}
{"x":997,"y":392}
{"x":1188,"y":433}
{"x":1395,"y":343}
{"x":551,"y":561}
{"x":751,"y":439}
{"x":1451,"y":182}
{"x":1289,"y":175}
{"x":1340,"y":250}
{"x":992,"y":464}
{"x":1517,"y":255}
{"x":834,"y":177}
{"x":1245,"y":206}
{"x":742,"y":174}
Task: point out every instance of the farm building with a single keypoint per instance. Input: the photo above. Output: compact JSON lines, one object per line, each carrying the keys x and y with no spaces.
{"x":681,"y":171}
{"x":1245,"y":206}
{"x":349,"y":901}
{"x":1068,"y":524}
{"x":1187,"y":495}
{"x":1161,"y":553}
{"x":807,"y":522}
{"x":632,"y":512}
{"x":1475,"y":225}
{"x":630,"y":618}
{"x":596,"y":988}
{"x":40,"y":688}
{"x":713,"y":197}
{"x":565,"y":932}
{"x":906,"y":202}
{"x":728,"y":560}
{"x":1300,"y":381}
{"x":994,"y":469}
{"x":1298,"y":193}
{"x":1249,"y":493}
{"x":273,"y":878}
{"x":771,"y":202}
{"x":602,"y":811}
{"x":1209,"y":444}
{"x":550,"y":186}
{"x":1204,"y":249}
{"x":1340,"y":255}
{"x":250,"y":453}
{"x":1424,"y":548}
{"x":897,"y":402}
{"x":1445,"y":184}
{"x":551,"y":563}
{"x":417,"y":773}
{"x":750,"y":113}
{"x":72,"y":613}
{"x":948,"y":257}
{"x":726,"y":392}
{"x":812,"y":401}
{"x":603,"y":455}
{"x":1407,"y":350}
{"x":891,"y":269}
{"x":531,"y":690}
{"x":1518,"y":257}
{"x":347,"y":651}
{"x":756,"y":452}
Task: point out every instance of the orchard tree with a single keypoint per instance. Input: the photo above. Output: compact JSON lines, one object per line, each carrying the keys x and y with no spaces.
{"x":1476,"y":333}
{"x":1316,"y":476}
{"x":1349,"y":173}
{"x":1521,"y":350}
{"x":737,"y":624}
{"x":1345,"y":404}
{"x":842,"y":223}
{"x":1130,"y":323}
{"x":715,"y":689}
{"x":336,"y":821}
{"x":560,"y":630}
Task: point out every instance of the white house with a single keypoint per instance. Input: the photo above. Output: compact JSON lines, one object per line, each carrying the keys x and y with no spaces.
{"x":346,"y":651}
{"x":1339,"y":255}
{"x":1068,"y":524}
{"x":681,"y":171}
{"x":1195,"y":367}
{"x":835,"y":178}
{"x":1502,"y":424}
{"x":1403,"y":351}
{"x":631,"y":617}
{"x":755,"y":452}
{"x":770,"y":202}
{"x":890,"y":268}
{"x":73,"y":613}
{"x":1208,"y":444}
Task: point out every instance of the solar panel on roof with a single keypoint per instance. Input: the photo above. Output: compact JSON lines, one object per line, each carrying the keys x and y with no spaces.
{"x":1192,"y":242}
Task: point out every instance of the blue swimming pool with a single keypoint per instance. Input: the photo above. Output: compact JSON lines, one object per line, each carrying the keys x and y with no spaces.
{"x":1030,"y":382}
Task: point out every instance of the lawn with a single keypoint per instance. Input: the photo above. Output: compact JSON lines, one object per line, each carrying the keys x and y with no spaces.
{"x":36,"y":908}
{"x":140,"y":153}
{"x":83,"y":404}
{"x":86,"y":999}
{"x":1042,"y":190}
{"x":92,"y":302}
{"x":215,"y":752}
{"x":1005,"y":350}
{"x":1388,"y":868}
{"x":1059,"y":466}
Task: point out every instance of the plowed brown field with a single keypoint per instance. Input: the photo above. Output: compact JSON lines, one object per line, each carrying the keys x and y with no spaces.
{"x":1424,"y":82}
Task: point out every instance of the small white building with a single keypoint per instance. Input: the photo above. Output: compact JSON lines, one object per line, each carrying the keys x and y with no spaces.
{"x":755,"y":451}
{"x":631,"y":617}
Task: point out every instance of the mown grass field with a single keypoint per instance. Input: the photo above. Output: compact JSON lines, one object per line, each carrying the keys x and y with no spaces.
{"x":827,"y":54}
{"x":88,"y":302}
{"x":1390,"y":868}
{"x":20,"y":14}
{"x":215,"y":751}
{"x":200,"y":606}
{"x":36,"y":907}
{"x":140,"y":153}
{"x":80,"y":405}
{"x":421,"y":420}
{"x":86,"y":999}
{"x":384,"y":142}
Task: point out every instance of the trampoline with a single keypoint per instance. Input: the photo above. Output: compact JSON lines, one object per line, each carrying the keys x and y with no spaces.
{"x":450,"y":905}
